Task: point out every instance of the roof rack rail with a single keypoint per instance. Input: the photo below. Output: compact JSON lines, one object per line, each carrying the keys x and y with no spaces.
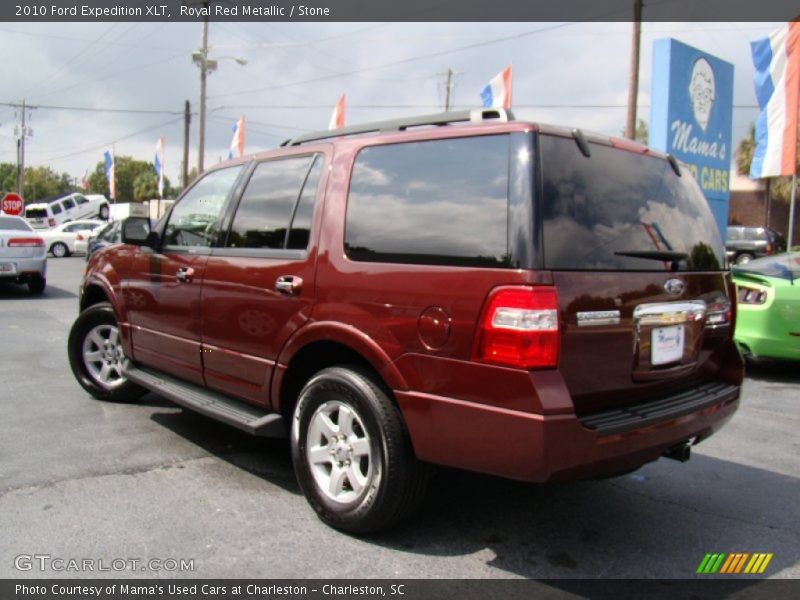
{"x":477,"y":115}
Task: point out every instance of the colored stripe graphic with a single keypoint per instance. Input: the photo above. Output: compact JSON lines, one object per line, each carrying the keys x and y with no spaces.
{"x":727,"y":564}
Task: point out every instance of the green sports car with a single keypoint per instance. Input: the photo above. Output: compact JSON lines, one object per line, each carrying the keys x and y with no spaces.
{"x":768,"y":315}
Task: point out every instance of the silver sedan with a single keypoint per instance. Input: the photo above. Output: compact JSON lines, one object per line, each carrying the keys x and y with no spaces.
{"x":23,"y":256}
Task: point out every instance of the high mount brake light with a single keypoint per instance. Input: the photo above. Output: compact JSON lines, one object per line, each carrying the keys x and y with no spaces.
{"x":519,"y":328}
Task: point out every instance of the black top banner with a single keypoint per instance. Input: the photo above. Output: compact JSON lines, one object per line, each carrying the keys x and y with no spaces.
{"x":396,"y":10}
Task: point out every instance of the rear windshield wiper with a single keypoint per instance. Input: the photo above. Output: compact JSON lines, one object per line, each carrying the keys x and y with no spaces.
{"x":655,"y":254}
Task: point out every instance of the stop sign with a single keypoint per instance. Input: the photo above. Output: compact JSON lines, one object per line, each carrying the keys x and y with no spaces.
{"x":12,"y":204}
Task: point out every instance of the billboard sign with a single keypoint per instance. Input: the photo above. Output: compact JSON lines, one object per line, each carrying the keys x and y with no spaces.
{"x":691,"y":115}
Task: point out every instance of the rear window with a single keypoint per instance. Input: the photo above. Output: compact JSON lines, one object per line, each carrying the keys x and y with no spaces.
{"x":755,"y":234}
{"x":434,"y":202}
{"x":35,"y":213}
{"x":734,"y":234}
{"x":599,"y":209}
{"x":784,"y":266}
{"x":14,"y":224}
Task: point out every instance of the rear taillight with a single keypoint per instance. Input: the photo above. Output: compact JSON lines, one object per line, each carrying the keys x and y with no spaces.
{"x":519,"y":328}
{"x":769,"y":249}
{"x":79,"y":238}
{"x":748,"y":295}
{"x":51,"y":222}
{"x":26,"y":243}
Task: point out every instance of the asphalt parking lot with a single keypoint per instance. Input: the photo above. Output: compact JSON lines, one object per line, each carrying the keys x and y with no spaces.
{"x":87,"y":480}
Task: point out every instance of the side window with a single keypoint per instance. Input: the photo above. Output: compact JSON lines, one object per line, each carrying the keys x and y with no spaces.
{"x":193,"y":221}
{"x":73,"y":227}
{"x":300,"y":231}
{"x":80,"y":199}
{"x":436,"y":202}
{"x":68,"y":203}
{"x":55,"y":208}
{"x":277,"y":191}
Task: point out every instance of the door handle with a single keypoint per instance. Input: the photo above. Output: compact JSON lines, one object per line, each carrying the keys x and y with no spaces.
{"x":290,"y":285}
{"x":185,"y":274}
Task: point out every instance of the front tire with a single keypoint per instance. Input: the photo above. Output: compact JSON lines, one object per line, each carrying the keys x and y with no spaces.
{"x":744,"y":258}
{"x":96,"y":356}
{"x":352,"y":455}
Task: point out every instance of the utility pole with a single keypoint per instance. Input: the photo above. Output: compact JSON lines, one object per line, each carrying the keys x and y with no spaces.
{"x":187,"y":119}
{"x":633,"y":81}
{"x":21,"y":132}
{"x":201,"y":135}
{"x":449,"y":85}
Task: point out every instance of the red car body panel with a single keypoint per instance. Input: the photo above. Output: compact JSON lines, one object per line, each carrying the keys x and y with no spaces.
{"x":416,"y":325}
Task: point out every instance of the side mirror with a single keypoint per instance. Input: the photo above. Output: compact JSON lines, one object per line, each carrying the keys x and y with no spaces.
{"x":136,"y":231}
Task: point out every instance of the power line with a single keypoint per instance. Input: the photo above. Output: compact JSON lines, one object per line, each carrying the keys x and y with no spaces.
{"x":402,"y":61}
{"x":95,"y":109}
{"x":116,"y":141}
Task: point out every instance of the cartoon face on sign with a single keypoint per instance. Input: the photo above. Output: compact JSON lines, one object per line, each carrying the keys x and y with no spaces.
{"x":701,"y":91}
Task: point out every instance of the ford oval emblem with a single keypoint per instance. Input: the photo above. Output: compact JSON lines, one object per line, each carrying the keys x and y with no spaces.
{"x":674,"y":287}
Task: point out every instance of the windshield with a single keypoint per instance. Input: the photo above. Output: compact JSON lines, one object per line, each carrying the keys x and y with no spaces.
{"x":783,"y":266}
{"x":623,"y":211}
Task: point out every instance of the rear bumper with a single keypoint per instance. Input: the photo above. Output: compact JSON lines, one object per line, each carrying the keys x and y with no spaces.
{"x":24,"y":268}
{"x":535,"y":447}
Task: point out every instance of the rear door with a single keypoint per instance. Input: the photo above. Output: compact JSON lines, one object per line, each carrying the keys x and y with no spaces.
{"x":638,"y":264}
{"x":162,"y":294}
{"x":259,"y":288}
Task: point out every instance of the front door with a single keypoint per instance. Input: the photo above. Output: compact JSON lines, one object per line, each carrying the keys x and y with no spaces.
{"x":163,"y":293}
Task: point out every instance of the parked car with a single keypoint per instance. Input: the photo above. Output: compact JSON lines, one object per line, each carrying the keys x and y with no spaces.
{"x":743,"y":244}
{"x":529,"y":301}
{"x":23,"y":257}
{"x":107,"y":235}
{"x":50,"y":213}
{"x":768,"y":321}
{"x":62,"y":240}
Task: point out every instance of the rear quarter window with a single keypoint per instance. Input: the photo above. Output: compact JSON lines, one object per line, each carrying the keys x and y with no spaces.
{"x":433,"y":202}
{"x":596,"y":208}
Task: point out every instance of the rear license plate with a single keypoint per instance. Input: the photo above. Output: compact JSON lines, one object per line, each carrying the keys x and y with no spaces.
{"x":8,"y":268}
{"x":667,"y":344}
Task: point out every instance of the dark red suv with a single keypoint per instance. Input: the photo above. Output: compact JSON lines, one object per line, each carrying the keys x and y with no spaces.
{"x":461,"y":289}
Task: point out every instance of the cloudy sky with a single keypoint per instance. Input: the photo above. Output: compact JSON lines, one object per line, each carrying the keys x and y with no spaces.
{"x":573,"y":74}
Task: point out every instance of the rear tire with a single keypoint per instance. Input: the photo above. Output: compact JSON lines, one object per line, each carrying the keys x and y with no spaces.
{"x":59,"y":250}
{"x":36,"y":284}
{"x":103,"y":214}
{"x":96,"y":357}
{"x":352,"y":454}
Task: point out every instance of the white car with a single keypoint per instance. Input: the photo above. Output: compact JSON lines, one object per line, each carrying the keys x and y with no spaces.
{"x":48,"y":214}
{"x":23,"y":258}
{"x":63,"y":240}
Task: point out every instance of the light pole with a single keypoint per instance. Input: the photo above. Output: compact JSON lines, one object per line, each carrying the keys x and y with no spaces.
{"x":207,"y":65}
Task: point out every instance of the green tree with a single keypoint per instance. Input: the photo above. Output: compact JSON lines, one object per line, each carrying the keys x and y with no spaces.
{"x":42,"y":182}
{"x":8,"y":177}
{"x":127,"y":171}
{"x":642,"y":134}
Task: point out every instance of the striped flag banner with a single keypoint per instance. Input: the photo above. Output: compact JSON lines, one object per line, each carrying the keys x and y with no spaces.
{"x":158,"y":164}
{"x":497,"y":93}
{"x":112,"y":187}
{"x":337,"y":117}
{"x":237,"y":142}
{"x":777,"y":83}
